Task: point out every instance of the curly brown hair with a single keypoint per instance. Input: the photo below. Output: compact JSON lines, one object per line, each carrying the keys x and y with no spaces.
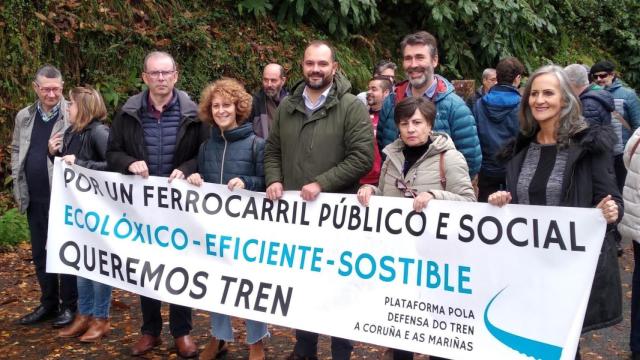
{"x":228,"y":88}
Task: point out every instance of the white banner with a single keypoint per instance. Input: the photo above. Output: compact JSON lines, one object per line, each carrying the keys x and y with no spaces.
{"x":459,"y":280}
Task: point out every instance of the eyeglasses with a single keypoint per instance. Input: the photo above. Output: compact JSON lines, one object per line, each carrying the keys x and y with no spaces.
{"x":407,"y":191}
{"x":601,"y":75}
{"x":46,"y":90}
{"x":156,"y":74}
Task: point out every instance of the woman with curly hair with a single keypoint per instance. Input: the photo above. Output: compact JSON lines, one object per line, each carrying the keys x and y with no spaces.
{"x":559,"y":160}
{"x":233,"y":155}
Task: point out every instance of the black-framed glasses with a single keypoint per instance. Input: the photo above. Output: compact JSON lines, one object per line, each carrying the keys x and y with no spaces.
{"x":407,"y":191}
{"x":156,"y":74}
{"x":601,"y":75}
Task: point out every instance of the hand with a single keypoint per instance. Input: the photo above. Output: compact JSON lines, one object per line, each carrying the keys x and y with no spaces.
{"x":310,"y":191}
{"x":195,"y":179}
{"x":139,"y":168}
{"x":364,"y":194}
{"x":274,"y":191}
{"x":55,"y":143}
{"x":69,"y":159}
{"x":609,"y":209}
{"x":235,"y":183}
{"x":176,"y":174}
{"x":499,"y":198}
{"x":421,"y":201}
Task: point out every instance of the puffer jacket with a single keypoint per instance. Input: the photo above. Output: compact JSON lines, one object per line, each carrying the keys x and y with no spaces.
{"x":93,"y":149}
{"x":453,"y":117}
{"x":627,"y":104}
{"x":424,"y":175}
{"x":629,"y":227}
{"x":597,"y":106}
{"x":333,"y":146}
{"x":588,"y":178}
{"x":234,"y":153}
{"x":496,"y":115}
{"x":126,"y":140}
{"x":20,"y":143}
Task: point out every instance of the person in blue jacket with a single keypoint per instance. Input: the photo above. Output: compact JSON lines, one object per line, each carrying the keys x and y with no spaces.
{"x":234,"y":156}
{"x":496,"y":116}
{"x":419,"y":60}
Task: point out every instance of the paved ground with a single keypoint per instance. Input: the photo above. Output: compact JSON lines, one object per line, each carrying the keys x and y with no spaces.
{"x":19,"y":293}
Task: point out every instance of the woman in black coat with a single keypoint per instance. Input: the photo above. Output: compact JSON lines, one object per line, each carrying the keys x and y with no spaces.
{"x":84,"y":143}
{"x":558,"y":160}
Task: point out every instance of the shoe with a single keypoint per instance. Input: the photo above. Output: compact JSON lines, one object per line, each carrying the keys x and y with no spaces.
{"x":214,"y":349}
{"x":64,"y":318}
{"x":186,"y":347}
{"x":40,"y":314}
{"x":79,"y":325}
{"x":145,"y":344}
{"x":97,"y":329}
{"x":256,"y":351}
{"x":294,"y":356}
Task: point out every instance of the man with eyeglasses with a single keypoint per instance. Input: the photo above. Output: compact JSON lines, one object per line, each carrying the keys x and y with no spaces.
{"x":626,"y":117}
{"x":157,"y":132}
{"x":35,"y":126}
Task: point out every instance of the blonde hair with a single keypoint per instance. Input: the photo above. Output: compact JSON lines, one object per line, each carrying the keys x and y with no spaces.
{"x":230,"y":89}
{"x":90,"y":106}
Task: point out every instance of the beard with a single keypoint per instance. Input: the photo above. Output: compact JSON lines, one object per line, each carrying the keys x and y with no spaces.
{"x":272,"y":92}
{"x":371,"y":100}
{"x":317,"y":85}
{"x":427,"y":75}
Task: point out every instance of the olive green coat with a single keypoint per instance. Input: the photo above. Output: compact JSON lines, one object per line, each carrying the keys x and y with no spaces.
{"x":334,"y":146}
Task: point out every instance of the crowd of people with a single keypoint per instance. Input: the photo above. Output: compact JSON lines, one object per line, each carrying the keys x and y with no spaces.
{"x":566,"y":138}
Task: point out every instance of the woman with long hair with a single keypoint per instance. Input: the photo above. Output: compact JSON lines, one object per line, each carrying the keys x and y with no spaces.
{"x":559,"y":160}
{"x":84,"y":143}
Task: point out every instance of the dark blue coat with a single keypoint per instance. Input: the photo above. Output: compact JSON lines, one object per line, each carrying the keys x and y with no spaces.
{"x":496,"y":116}
{"x":597,"y":106}
{"x":234,"y":153}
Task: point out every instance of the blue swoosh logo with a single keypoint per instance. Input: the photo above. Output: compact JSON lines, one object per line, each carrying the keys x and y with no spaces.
{"x":523,"y":345}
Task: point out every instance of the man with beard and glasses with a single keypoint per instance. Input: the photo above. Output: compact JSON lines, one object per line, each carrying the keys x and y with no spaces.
{"x":419,"y":60}
{"x":379,"y":88}
{"x":321,"y":140}
{"x":267,"y":99}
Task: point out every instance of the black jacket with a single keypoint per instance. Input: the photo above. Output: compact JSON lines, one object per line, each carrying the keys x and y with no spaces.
{"x":126,"y":142}
{"x":597,"y":106}
{"x":93,"y":145}
{"x":589,"y":177}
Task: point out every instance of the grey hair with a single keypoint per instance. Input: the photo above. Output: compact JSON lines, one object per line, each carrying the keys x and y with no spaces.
{"x":158,"y":54}
{"x":487,"y":72}
{"x":571,"y":120}
{"x":577,"y":75}
{"x":49,"y":72}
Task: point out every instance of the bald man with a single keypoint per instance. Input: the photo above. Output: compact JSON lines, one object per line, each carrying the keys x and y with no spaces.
{"x":267,"y":99}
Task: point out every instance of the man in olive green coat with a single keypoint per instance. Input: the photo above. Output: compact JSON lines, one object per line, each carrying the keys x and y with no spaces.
{"x":321,"y":140}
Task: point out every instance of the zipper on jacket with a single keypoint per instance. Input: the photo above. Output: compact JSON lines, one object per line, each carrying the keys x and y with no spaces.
{"x":224,"y":154}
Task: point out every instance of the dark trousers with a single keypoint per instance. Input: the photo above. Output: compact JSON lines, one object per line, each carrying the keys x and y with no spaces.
{"x":408,"y":355}
{"x":179,"y":318}
{"x":620,"y":170}
{"x":634,"y":339}
{"x":487,"y":185}
{"x":307,"y":346}
{"x":56,"y":289}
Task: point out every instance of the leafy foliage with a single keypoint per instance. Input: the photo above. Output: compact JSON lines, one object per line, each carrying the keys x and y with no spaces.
{"x":13,"y":229}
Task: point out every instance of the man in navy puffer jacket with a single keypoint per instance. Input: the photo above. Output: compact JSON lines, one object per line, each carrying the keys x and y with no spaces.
{"x":496,"y":116}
